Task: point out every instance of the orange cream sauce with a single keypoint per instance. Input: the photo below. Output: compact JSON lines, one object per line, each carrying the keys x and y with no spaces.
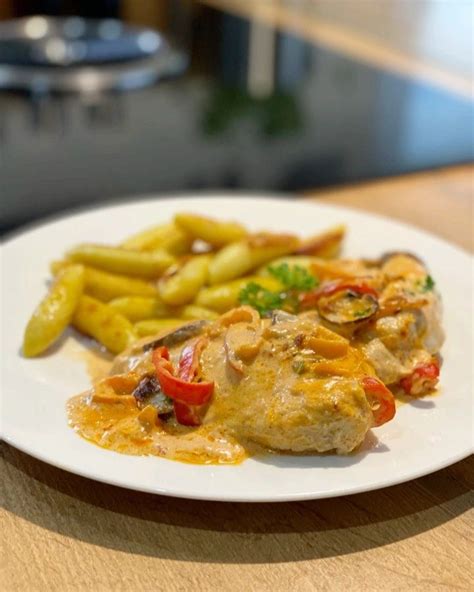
{"x":117,"y":427}
{"x":233,"y":417}
{"x":96,"y":359}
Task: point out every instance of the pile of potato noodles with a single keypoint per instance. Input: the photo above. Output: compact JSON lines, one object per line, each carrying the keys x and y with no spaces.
{"x":191,"y":268}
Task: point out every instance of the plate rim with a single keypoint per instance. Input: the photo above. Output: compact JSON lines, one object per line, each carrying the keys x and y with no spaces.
{"x":148,"y":199}
{"x":274,"y":498}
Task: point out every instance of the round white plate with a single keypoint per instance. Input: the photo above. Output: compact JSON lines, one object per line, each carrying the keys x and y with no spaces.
{"x":425,"y":436}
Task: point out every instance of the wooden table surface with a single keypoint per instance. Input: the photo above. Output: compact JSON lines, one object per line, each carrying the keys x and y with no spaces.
{"x":63,"y":532}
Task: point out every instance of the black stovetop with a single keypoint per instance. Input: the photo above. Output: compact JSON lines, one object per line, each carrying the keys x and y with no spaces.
{"x":315,"y":119}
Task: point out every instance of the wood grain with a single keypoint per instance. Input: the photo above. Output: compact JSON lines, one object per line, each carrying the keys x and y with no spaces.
{"x":440,"y":201}
{"x":61,"y":532}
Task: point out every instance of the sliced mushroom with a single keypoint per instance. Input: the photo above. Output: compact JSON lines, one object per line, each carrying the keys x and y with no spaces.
{"x":399,"y":264}
{"x":243,"y":314}
{"x":242,"y":342}
{"x":389,"y":254}
{"x":347,"y":306}
{"x":177,"y":335}
{"x":148,"y":392}
{"x":280,"y":316}
{"x":147,"y":386}
{"x":137,"y":355}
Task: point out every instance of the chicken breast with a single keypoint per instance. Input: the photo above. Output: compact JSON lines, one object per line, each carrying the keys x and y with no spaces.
{"x":285,"y":383}
{"x":288,"y":395}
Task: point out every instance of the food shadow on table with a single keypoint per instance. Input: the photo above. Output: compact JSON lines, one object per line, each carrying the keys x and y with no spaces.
{"x":213,"y":532}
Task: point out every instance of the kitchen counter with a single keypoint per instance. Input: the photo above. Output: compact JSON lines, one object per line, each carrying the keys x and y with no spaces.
{"x":266,"y":104}
{"x":67,"y":533}
{"x":413,"y":39}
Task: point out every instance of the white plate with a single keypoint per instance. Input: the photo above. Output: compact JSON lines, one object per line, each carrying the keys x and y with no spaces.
{"x":425,"y":436}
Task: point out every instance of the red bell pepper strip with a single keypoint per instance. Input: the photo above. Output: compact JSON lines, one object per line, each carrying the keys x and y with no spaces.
{"x":187,"y":415}
{"x":188,"y":397}
{"x":188,"y":367}
{"x":190,"y":393}
{"x":310,"y":299}
{"x":380,"y":399}
{"x":423,"y":379}
{"x":189,"y":360}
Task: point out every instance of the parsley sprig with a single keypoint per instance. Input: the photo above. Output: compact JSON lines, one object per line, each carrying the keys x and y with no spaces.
{"x":294,"y":279}
{"x":260,"y":298}
{"x":428,"y":284}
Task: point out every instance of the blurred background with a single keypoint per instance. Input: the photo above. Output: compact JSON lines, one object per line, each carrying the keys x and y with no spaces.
{"x":102,"y":99}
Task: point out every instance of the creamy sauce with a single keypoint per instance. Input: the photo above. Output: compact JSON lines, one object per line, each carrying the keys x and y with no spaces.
{"x":117,"y":427}
{"x":96,"y":359}
{"x":98,"y":364}
{"x":259,"y":403}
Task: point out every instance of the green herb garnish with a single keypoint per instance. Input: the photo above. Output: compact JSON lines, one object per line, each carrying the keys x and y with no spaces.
{"x":428,"y":284}
{"x":294,"y":279}
{"x":260,"y":298}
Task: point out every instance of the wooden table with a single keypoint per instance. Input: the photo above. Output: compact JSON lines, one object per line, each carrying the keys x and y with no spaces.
{"x":440,"y":201}
{"x":63,"y":532}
